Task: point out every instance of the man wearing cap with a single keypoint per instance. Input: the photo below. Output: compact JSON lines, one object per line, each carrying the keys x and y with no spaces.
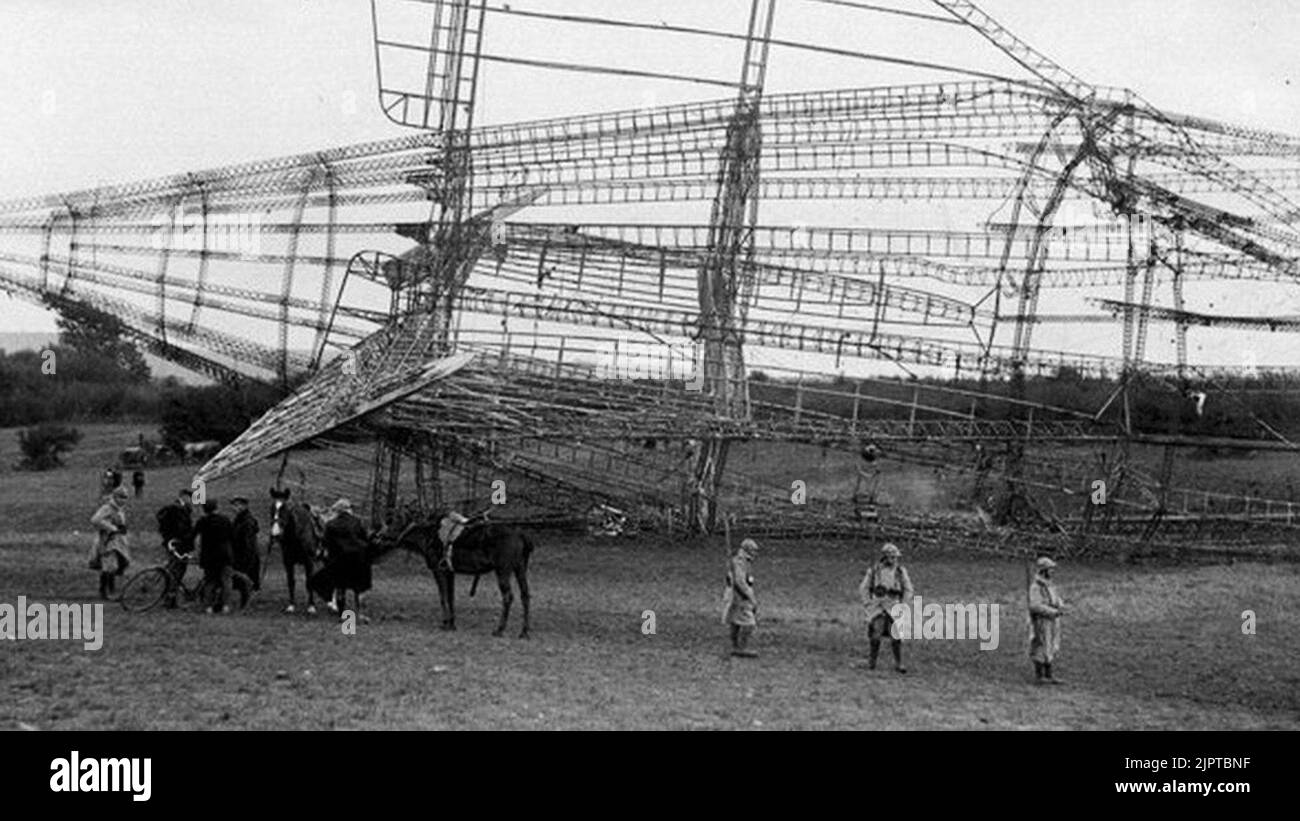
{"x":214,"y":533}
{"x":176,"y":527}
{"x":885,"y":585}
{"x":110,"y":481}
{"x":740,"y":607}
{"x":347,"y":548}
{"x":1045,"y":610}
{"x":247,"y":560}
{"x":110,"y":555}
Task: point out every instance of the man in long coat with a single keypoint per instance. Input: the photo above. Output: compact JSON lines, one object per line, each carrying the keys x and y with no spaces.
{"x":739,"y":604}
{"x":1045,"y":610}
{"x":246,"y":558}
{"x":347,"y":550}
{"x":176,"y":524}
{"x":215,"y":534}
{"x":886,"y":584}
{"x":110,"y":555}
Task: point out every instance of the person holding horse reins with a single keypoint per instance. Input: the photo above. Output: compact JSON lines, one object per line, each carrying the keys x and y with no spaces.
{"x":347,"y":547}
{"x":885,"y":585}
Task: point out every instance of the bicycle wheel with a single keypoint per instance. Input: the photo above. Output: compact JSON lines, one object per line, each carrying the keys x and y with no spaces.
{"x":145,"y":589}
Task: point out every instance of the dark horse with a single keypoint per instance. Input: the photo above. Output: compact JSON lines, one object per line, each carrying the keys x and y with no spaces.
{"x":293,"y":528}
{"x":481,"y":548}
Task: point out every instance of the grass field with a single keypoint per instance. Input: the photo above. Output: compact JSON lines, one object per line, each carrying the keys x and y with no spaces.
{"x":1149,"y":647}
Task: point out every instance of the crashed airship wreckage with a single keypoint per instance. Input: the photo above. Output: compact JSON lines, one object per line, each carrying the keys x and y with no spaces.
{"x":650,"y":311}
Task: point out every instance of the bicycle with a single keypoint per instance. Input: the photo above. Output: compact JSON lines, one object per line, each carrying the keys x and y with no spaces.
{"x":148,"y":588}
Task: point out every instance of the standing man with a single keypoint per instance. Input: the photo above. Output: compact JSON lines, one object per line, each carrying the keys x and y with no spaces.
{"x":247,"y":559}
{"x":137,"y":481}
{"x":1045,"y":610}
{"x":111,"y":555}
{"x":176,"y":527}
{"x":739,"y":605}
{"x":109,"y":481}
{"x":215,"y":534}
{"x":885,"y":585}
{"x":346,"y":546}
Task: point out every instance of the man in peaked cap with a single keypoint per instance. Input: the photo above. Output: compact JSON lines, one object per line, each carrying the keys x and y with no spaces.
{"x":348,"y":568}
{"x":214,"y":533}
{"x":1045,"y":610}
{"x":110,"y":555}
{"x":885,"y":585}
{"x":247,"y":559}
{"x":739,"y":605}
{"x":176,"y":527}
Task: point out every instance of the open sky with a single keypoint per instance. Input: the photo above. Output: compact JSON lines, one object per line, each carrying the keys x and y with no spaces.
{"x":95,"y":91}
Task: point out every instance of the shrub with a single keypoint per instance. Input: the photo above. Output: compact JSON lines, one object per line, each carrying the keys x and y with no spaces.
{"x":44,"y":445}
{"x":216,"y":412}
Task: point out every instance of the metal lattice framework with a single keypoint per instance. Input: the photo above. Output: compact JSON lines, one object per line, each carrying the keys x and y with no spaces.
{"x":468,"y":298}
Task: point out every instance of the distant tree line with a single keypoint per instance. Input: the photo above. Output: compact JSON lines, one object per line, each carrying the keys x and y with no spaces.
{"x":98,"y":375}
{"x":83,"y":386}
{"x":95,"y":373}
{"x":1153,"y":408}
{"x":90,"y":387}
{"x":212,"y":412}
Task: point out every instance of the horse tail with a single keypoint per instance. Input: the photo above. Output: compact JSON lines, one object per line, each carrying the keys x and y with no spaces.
{"x":528,"y":547}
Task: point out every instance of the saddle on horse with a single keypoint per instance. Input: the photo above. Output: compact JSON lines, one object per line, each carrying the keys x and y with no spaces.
{"x":449,"y":530}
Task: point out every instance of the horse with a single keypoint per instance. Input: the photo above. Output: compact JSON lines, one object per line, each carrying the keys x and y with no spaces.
{"x":295,"y":529}
{"x":480,"y":548}
{"x":194,"y":451}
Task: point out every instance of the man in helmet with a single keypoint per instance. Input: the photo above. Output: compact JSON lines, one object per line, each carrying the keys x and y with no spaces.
{"x":885,"y":585}
{"x":739,"y":606}
{"x":1045,"y":610}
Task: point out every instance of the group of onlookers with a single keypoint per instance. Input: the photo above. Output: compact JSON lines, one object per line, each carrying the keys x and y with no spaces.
{"x":226,"y":546}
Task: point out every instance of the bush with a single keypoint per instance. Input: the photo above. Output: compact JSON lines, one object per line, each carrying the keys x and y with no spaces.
{"x":212,"y":412}
{"x":44,"y":445}
{"x":83,"y":387}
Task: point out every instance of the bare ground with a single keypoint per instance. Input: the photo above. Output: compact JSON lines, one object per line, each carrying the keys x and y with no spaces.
{"x":1145,"y":648}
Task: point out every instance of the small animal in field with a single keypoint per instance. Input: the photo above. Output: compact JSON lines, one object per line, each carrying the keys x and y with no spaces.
{"x":195,"y":451}
{"x":475,"y":549}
